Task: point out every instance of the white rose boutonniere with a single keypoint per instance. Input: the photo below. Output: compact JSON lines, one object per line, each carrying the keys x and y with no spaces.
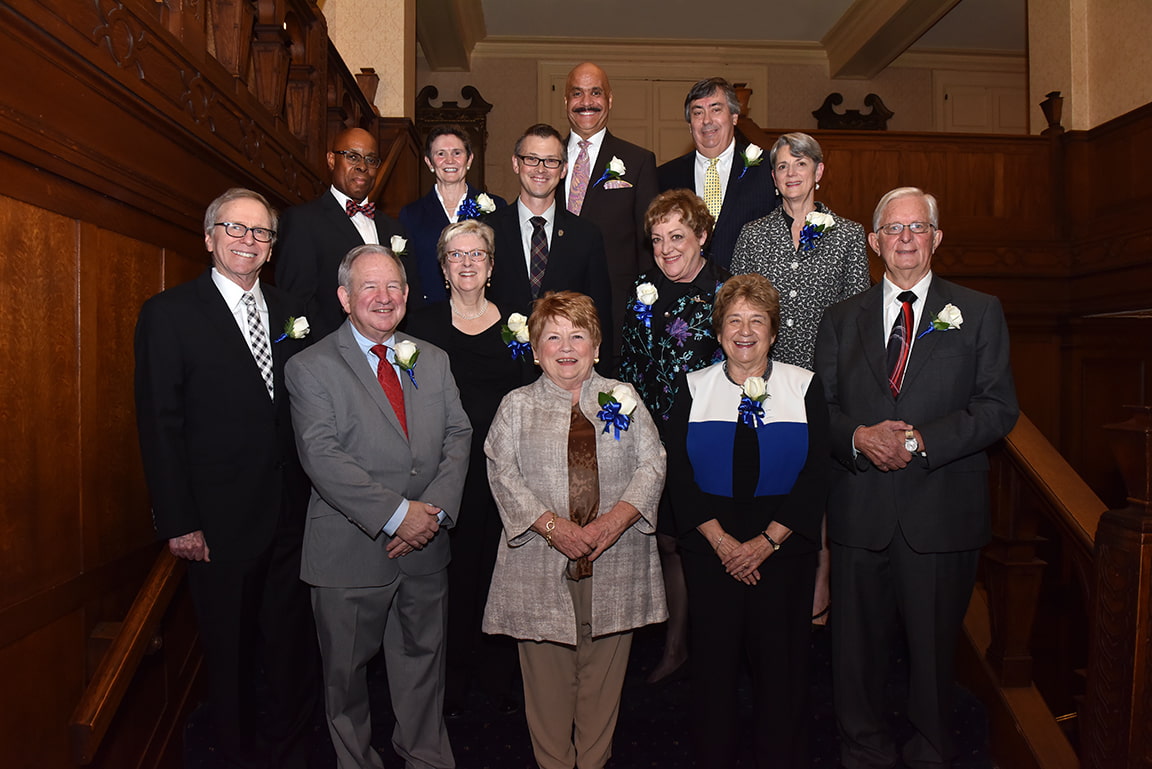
{"x":646,"y":296}
{"x":615,"y":170}
{"x":815,"y":225}
{"x":616,"y":408}
{"x":398,"y":245}
{"x":948,"y":319}
{"x":295,"y":328}
{"x":752,"y":397}
{"x":485,"y":203}
{"x":753,"y":155}
{"x":473,"y":208}
{"x":515,"y":335}
{"x":406,"y":352}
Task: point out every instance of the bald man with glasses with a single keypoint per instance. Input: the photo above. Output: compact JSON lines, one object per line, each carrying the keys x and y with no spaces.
{"x":315,"y":236}
{"x":540,"y":245}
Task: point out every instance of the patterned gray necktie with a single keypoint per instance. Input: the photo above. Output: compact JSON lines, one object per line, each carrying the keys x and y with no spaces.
{"x":260,"y":349}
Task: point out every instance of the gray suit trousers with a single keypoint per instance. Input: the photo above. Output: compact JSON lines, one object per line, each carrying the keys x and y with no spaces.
{"x":408,"y":618}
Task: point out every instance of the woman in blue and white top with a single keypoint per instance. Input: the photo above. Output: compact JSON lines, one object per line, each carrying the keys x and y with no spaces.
{"x":747,"y":452}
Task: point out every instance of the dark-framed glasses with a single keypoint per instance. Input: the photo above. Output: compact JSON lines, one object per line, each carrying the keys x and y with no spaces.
{"x":473,"y":256}
{"x":259,"y":234}
{"x":916,"y":228}
{"x":355,"y":158}
{"x":532,"y":161}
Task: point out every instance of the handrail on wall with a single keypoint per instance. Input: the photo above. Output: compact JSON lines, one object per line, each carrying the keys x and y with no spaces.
{"x":101,"y":699}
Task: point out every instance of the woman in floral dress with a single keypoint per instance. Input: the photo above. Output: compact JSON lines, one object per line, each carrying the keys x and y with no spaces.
{"x":667,"y":332}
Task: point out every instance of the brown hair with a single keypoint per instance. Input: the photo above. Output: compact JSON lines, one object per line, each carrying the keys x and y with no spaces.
{"x":753,"y":288}
{"x":577,"y":309}
{"x":691,"y":209}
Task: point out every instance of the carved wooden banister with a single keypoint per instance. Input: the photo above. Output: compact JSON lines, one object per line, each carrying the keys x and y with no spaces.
{"x":97,"y":707}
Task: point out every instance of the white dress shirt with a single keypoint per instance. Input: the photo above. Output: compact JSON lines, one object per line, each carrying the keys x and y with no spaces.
{"x":724,"y":168}
{"x":596,"y":140}
{"x":892,"y":306}
{"x":526,"y":228}
{"x":365,"y":226}
{"x":234,"y":298}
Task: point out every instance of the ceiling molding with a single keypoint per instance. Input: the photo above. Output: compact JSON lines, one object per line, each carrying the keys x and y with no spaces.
{"x":963,"y":61}
{"x":448,"y":31}
{"x":873,"y":33}
{"x":580,"y":49}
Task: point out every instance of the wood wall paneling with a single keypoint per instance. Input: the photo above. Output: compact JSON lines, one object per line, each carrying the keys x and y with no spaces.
{"x":39,"y":419}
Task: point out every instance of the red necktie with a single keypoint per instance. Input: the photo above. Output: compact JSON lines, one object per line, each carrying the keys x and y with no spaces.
{"x":368,"y":209}
{"x":386,"y":375}
{"x":900,"y":342}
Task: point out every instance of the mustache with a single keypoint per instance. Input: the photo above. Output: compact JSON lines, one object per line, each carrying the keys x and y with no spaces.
{"x":588,"y":109}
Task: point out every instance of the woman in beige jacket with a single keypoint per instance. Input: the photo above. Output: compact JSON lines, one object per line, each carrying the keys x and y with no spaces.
{"x":576,"y":468}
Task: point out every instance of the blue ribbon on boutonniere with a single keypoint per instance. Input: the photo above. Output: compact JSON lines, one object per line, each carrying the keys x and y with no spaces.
{"x":751,"y":412}
{"x":643,"y":313}
{"x":612,"y":418}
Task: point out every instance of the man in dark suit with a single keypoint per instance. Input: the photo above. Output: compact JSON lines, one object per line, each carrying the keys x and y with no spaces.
{"x":919,"y":385}
{"x":385,"y":441}
{"x":228,"y":492}
{"x":613,"y":198}
{"x":720,"y":170}
{"x":540,"y":246}
{"x":314,"y":236}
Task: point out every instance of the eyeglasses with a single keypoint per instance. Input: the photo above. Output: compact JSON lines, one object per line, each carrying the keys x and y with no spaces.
{"x":353,"y":157}
{"x":916,"y":228}
{"x":259,"y":234}
{"x":532,"y":161}
{"x":472,"y":256}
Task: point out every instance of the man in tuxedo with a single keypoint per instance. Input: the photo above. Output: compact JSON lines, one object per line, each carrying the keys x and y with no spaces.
{"x":919,"y":385}
{"x":615,"y":203}
{"x":314,"y":236}
{"x":384,"y":438}
{"x":719,"y":170}
{"x":540,"y":246}
{"x":228,"y":492}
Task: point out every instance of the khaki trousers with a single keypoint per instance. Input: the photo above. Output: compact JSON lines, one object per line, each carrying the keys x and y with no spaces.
{"x":572,"y":693}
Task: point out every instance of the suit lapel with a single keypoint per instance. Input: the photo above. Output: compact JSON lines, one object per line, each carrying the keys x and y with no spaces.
{"x":869,"y":325}
{"x":223,"y":327}
{"x":350,"y":351}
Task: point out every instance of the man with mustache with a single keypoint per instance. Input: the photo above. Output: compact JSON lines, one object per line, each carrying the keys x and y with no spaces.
{"x":721,"y":170}
{"x":597,"y":190}
{"x":540,"y":245}
{"x":315,"y":236}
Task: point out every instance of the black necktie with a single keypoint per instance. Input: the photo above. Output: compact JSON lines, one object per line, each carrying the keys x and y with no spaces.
{"x":900,"y":342}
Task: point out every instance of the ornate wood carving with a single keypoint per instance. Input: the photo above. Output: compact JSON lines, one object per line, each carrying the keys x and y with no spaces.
{"x":852,"y":119}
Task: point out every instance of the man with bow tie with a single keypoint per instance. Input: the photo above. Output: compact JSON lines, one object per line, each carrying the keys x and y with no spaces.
{"x":918,"y":382}
{"x":315,"y":236}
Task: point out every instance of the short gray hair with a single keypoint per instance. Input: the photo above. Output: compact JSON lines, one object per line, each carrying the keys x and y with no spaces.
{"x":237,"y":193}
{"x":466,"y":227}
{"x":707,"y":87}
{"x":799,"y":144}
{"x":344,"y":273}
{"x":906,"y":192}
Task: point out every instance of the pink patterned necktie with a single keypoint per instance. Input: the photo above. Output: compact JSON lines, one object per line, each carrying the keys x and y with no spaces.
{"x":580,"y":176}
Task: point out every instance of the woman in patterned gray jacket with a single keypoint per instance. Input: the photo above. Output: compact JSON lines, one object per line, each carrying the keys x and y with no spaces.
{"x":813,"y":257}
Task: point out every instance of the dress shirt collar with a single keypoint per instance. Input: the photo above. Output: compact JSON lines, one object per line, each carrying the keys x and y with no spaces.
{"x":367,"y":344}
{"x":892,"y":304}
{"x":343,"y":199}
{"x":594,"y":143}
{"x":525,"y":215}
{"x":725,"y":159}
{"x":234,"y":294}
{"x":451,"y":213}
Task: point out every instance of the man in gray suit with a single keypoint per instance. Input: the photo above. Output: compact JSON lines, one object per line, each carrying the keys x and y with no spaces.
{"x":383,"y":437}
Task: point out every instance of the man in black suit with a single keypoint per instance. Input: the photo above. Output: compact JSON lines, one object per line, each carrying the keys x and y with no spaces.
{"x":540,"y":246}
{"x":314,"y":236}
{"x":720,"y":170}
{"x":919,"y":385}
{"x":615,"y":197}
{"x":228,"y":491}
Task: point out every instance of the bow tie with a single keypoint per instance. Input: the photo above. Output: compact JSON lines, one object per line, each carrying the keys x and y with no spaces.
{"x":368,"y":209}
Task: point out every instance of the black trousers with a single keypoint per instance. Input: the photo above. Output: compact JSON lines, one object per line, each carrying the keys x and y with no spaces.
{"x":769,"y":626}
{"x":254,"y":616}
{"x":875,"y":594}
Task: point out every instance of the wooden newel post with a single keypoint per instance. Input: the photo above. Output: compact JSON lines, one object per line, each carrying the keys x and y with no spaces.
{"x":1117,"y":723}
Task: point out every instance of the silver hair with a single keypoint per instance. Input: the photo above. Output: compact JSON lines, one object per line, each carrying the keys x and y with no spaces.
{"x":906,"y":192}
{"x":344,"y":273}
{"x":237,"y":193}
{"x":798,"y":144}
{"x":466,"y":227}
{"x":707,"y":87}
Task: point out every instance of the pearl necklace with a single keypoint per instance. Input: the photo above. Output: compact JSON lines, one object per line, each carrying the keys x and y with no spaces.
{"x":462,"y":316}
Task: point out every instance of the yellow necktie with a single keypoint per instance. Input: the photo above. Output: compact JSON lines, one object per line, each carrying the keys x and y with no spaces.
{"x":712,"y":197}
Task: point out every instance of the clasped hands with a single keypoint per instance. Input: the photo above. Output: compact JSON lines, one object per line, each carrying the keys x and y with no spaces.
{"x":883,"y":444}
{"x":742,"y":559}
{"x":416,"y":530}
{"x":592,"y":539}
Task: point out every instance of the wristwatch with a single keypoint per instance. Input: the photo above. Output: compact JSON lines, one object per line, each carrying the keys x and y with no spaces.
{"x":911,"y":445}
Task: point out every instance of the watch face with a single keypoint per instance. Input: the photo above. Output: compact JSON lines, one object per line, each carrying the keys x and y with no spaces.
{"x":911,"y":444}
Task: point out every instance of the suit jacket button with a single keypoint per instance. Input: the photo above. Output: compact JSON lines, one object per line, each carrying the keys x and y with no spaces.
{"x":413,"y":471}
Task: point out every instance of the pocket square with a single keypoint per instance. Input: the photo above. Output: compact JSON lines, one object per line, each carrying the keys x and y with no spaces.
{"x":616,"y":184}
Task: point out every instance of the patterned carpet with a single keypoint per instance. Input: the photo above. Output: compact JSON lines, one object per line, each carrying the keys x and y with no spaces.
{"x":653,"y":726}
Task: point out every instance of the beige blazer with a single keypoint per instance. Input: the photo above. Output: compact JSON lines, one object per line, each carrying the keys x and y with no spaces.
{"x":527,"y":451}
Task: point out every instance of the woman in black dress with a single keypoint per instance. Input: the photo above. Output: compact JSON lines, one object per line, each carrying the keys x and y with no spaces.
{"x":468,"y":327}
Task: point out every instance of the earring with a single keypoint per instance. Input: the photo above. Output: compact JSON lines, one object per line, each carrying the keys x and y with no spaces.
{"x":777,"y":191}
{"x":817,"y":185}
{"x":595,"y":361}
{"x":536,"y":361}
{"x":447,"y":286}
{"x":489,"y":283}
